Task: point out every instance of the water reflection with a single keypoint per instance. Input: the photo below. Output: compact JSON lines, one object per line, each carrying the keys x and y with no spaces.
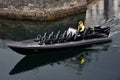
{"x":33,"y":61}
{"x":116,"y":8}
{"x":20,"y":30}
{"x":85,"y":57}
{"x":100,"y":12}
{"x":72,"y":57}
{"x":108,"y":9}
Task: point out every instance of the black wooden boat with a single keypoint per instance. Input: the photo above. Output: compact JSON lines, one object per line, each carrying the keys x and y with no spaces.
{"x":62,"y":41}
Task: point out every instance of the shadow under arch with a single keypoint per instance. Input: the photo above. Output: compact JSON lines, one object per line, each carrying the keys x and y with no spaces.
{"x":31,"y":62}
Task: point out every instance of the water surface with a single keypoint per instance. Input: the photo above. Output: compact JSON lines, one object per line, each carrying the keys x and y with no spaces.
{"x":99,"y":62}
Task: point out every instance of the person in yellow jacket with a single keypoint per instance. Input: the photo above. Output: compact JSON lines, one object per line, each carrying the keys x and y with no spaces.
{"x":81,"y":27}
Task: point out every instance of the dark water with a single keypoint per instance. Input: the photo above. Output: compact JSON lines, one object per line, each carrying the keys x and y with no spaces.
{"x":100,"y":62}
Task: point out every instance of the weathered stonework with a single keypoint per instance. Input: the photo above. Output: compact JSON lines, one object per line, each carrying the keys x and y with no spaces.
{"x":40,"y":9}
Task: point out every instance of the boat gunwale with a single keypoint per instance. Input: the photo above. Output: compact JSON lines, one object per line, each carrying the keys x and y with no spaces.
{"x":60,"y":45}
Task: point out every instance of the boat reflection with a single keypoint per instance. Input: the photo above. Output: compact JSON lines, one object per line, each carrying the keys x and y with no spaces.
{"x":76,"y":56}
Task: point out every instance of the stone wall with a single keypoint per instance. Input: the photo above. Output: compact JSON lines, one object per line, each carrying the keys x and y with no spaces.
{"x":40,"y":9}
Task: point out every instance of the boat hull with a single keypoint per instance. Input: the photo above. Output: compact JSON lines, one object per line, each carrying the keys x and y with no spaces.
{"x":31,"y":47}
